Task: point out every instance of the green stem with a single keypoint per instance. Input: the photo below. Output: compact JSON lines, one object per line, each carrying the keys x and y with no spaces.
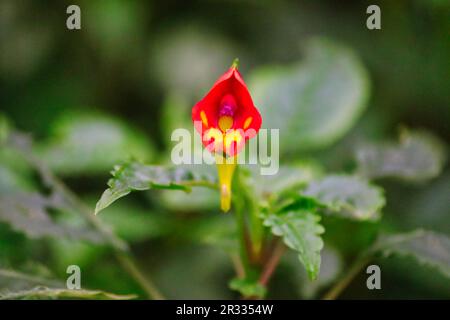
{"x":206,"y":184}
{"x":238,"y":267}
{"x":255,"y":226}
{"x":129,"y":265}
{"x":242,"y":233}
{"x":257,"y":231}
{"x":343,"y":283}
{"x":29,"y":278}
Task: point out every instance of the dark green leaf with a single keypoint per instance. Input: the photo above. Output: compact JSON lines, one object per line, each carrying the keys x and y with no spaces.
{"x":301,"y":232}
{"x":136,"y":176}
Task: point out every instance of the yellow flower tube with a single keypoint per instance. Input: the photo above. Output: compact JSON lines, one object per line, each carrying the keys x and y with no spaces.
{"x":225,"y":168}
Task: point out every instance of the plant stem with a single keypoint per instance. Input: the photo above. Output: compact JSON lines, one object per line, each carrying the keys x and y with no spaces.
{"x":237,"y":264}
{"x":272,"y":262}
{"x":121,"y":249}
{"x":128,"y":264}
{"x":343,"y":283}
{"x":206,"y":184}
{"x":242,"y":234}
{"x":29,"y":278}
{"x":252,"y":220}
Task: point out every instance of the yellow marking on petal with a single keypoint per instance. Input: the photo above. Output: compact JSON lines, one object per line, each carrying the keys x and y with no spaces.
{"x":225,"y":123}
{"x":225,"y":168}
{"x":213,"y":133}
{"x":247,"y":122}
{"x":233,"y":136}
{"x":204,"y":119}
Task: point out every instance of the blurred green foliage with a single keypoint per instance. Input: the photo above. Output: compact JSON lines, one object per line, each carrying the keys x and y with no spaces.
{"x":112,"y":93}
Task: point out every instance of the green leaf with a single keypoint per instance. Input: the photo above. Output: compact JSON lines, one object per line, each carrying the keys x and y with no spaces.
{"x":418,"y":156}
{"x":301,"y":232}
{"x":313,"y":103}
{"x":136,"y":176}
{"x":348,"y":196}
{"x":330,"y":268}
{"x":82,"y":143}
{"x":29,"y":213}
{"x":43,"y":293}
{"x":428,"y":247}
{"x":248,"y":287}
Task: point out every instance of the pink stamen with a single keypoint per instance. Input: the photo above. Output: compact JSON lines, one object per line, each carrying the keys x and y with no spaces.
{"x":227,"y":106}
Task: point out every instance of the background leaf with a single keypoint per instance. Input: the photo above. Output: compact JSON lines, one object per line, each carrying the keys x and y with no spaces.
{"x":429,"y":248}
{"x":418,"y":156}
{"x":287,"y":177}
{"x":349,"y":196}
{"x":49,"y":293}
{"x":86,"y":143}
{"x":313,"y":103}
{"x":29,"y":213}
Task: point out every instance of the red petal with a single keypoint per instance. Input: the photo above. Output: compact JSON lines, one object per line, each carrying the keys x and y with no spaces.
{"x":230,"y":82}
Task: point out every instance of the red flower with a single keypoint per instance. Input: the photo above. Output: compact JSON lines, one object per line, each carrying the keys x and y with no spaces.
{"x":226,"y":117}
